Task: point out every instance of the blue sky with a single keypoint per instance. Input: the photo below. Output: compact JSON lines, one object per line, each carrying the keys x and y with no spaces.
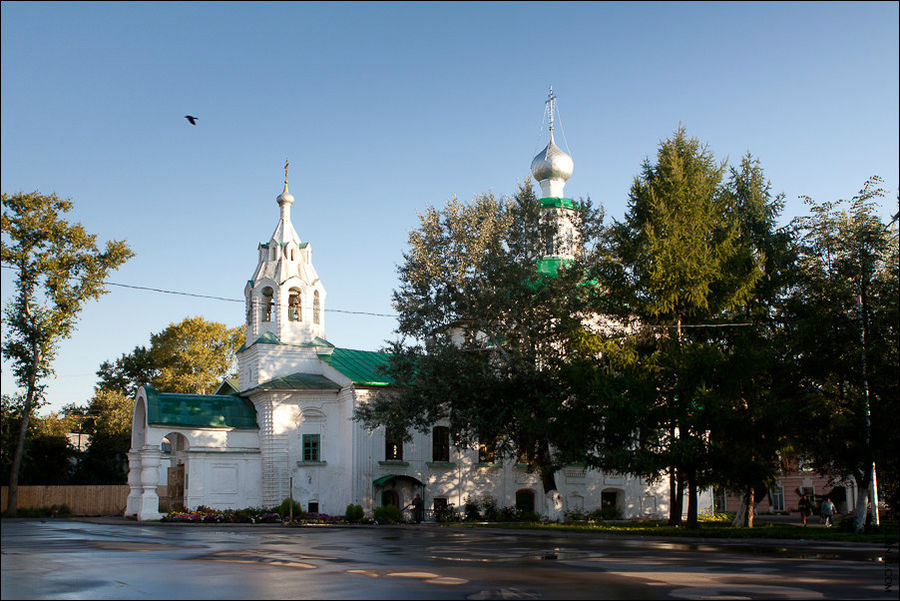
{"x":384,"y":109}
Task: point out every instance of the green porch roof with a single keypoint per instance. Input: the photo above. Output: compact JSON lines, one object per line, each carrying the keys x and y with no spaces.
{"x":199,"y":410}
{"x":365,"y":368}
{"x":300,"y":381}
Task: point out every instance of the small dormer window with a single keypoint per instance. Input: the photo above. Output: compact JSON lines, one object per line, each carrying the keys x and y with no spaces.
{"x":295,"y":309}
{"x":268,"y":303}
{"x":316,"y":308}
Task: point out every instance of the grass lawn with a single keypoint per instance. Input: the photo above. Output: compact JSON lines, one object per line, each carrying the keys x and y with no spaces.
{"x":715,"y":529}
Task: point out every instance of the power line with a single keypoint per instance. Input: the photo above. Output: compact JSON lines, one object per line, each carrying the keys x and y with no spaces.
{"x":220,"y":298}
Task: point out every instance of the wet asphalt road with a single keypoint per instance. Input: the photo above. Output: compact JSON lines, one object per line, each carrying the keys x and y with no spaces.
{"x":67,"y":559}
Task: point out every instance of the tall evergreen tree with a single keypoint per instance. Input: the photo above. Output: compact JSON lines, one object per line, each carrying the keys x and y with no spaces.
{"x":675,"y":263}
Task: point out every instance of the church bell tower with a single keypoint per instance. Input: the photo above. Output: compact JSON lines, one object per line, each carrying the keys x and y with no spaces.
{"x":284,"y":299}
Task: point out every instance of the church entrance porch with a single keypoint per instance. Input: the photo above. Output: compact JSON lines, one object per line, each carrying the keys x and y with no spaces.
{"x":399,"y":490}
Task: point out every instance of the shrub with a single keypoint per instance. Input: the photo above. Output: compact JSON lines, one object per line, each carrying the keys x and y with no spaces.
{"x":610,"y":512}
{"x":285,"y":508}
{"x":472,"y":510}
{"x":354,"y":513}
{"x":492,"y":513}
{"x":388,"y":514}
{"x":54,"y":511}
{"x":523,"y":515}
{"x":446,"y":514}
{"x":575,"y":516}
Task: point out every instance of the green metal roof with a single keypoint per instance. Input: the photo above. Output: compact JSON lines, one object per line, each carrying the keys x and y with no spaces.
{"x":270,"y":338}
{"x":365,"y":368}
{"x":552,"y":201}
{"x":228,"y":386}
{"x":380,"y":482}
{"x":300,"y":381}
{"x":200,"y":410}
{"x":550,"y":265}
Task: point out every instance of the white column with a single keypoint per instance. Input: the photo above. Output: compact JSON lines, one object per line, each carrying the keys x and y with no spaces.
{"x":134,"y":483}
{"x":149,"y":502}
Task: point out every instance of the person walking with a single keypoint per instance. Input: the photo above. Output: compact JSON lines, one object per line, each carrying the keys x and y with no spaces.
{"x":828,"y":512}
{"x":418,"y":507}
{"x":803,"y":507}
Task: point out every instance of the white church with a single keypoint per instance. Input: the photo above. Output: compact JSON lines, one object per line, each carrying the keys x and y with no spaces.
{"x":286,"y":428}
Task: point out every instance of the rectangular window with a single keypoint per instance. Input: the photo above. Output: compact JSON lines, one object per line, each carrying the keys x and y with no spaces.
{"x":313,"y":507}
{"x":311,"y":447}
{"x":486,"y":453}
{"x":440,"y":444}
{"x":776,"y":498}
{"x":393,"y":446}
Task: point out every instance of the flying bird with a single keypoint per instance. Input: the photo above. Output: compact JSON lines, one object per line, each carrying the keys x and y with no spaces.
{"x":193,"y":120}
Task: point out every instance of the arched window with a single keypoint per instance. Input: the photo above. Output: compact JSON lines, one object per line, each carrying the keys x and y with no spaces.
{"x":295,"y":309}
{"x":316,"y":308}
{"x":525,"y":500}
{"x":268,"y":298}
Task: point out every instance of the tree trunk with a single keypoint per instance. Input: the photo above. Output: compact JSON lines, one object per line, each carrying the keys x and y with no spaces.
{"x":862,"y":502}
{"x":745,"y":513}
{"x":545,"y":466}
{"x":692,"y":501}
{"x":751,"y":506}
{"x":676,"y":496}
{"x":12,"y":499}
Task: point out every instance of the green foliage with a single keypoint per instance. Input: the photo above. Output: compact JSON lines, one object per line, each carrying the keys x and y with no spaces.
{"x":47,"y":456}
{"x":388,"y":514}
{"x":53,"y":511}
{"x":193,"y":356}
{"x":59,"y":268}
{"x":844,"y":322}
{"x":601,"y":514}
{"x":472,"y":510}
{"x":446,"y":514}
{"x":108,"y":420}
{"x":354,"y":513}
{"x":129,"y":372}
{"x":693,"y":252}
{"x":482,"y":328}
{"x":285,"y":508}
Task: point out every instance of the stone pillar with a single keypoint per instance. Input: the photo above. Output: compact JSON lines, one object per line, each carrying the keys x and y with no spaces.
{"x":134,"y":484}
{"x":149,"y":501}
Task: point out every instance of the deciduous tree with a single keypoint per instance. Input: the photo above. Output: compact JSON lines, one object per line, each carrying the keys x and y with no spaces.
{"x":59,"y":268}
{"x":844,"y":329}
{"x":484,"y":334}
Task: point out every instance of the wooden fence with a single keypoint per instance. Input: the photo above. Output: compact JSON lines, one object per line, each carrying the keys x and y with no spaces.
{"x":81,"y":500}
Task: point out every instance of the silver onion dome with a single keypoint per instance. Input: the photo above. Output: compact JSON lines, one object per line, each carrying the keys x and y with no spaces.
{"x":285,"y":197}
{"x":552,"y":163}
